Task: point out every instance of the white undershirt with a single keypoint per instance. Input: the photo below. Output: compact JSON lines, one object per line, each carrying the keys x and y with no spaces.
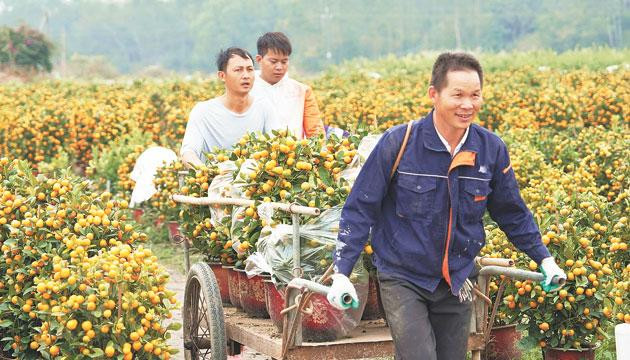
{"x":448,"y":147}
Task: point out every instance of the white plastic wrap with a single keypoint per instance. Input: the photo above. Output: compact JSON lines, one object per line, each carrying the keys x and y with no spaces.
{"x":255,"y":264}
{"x":145,"y":169}
{"x":364,"y":150}
{"x":221,"y":187}
{"x":318,"y":239}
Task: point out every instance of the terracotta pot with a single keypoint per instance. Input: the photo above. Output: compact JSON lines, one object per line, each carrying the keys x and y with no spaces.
{"x":242,"y":286}
{"x":274,"y":302}
{"x":137,"y":214}
{"x":325,"y":323}
{"x":588,"y":353}
{"x":373,"y":306}
{"x":221,"y":274}
{"x":173,"y":229}
{"x":253,"y":301}
{"x":234,"y":293}
{"x":502,"y":344}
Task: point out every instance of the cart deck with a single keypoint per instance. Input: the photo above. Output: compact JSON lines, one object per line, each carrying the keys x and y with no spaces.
{"x":370,"y":339}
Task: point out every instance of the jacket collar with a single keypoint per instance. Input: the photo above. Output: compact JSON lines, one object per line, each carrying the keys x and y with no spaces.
{"x":433,"y":142}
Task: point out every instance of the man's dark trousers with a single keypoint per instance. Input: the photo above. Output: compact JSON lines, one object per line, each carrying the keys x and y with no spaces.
{"x":425,"y":325}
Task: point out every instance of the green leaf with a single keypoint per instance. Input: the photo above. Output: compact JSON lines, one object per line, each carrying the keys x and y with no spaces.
{"x":6,"y":323}
{"x":97,"y":353}
{"x":174,"y":326}
{"x":528,"y":342}
{"x":325,"y":176}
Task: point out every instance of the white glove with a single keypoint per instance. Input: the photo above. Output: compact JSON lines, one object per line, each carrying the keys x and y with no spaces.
{"x":340,"y":289}
{"x":551,"y":271}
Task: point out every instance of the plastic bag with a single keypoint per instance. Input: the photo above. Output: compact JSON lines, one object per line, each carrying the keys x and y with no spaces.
{"x":364,"y":150}
{"x":317,"y":243}
{"x":221,"y":187}
{"x":255,"y":264}
{"x":340,"y":133}
{"x":144,"y":171}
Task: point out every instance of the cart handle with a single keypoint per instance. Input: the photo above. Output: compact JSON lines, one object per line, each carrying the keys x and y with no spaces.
{"x":301,"y":284}
{"x":518,"y":274}
{"x":290,"y":208}
{"x":487,"y":261}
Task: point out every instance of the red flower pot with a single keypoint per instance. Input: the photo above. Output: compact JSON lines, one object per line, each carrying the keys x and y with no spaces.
{"x":173,"y":229}
{"x":588,"y":353}
{"x":234,"y":293}
{"x":242,"y":286}
{"x":137,"y":214}
{"x":325,"y":323}
{"x":502,"y":344}
{"x":253,"y":301}
{"x":221,"y":274}
{"x":274,"y":302}
{"x":373,"y":306}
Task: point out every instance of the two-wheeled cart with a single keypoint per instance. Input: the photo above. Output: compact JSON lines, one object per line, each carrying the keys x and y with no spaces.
{"x":212,"y":331}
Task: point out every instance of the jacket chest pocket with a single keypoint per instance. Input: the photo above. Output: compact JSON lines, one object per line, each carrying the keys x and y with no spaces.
{"x":474,"y":198}
{"x":415,"y":196}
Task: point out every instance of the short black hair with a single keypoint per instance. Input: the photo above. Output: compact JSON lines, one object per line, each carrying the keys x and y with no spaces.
{"x":274,"y":40}
{"x":224,"y":56}
{"x":449,"y":61}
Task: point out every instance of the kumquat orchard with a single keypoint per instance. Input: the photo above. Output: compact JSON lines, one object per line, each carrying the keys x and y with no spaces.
{"x":79,"y":277}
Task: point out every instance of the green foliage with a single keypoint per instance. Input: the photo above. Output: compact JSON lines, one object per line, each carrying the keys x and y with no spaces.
{"x":60,"y":162}
{"x":186,"y":34}
{"x":25,"y":48}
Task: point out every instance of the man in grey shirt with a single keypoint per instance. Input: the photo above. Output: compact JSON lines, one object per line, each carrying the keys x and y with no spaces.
{"x":222,"y":121}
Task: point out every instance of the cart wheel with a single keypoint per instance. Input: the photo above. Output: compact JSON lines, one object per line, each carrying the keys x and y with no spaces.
{"x":204,"y":326}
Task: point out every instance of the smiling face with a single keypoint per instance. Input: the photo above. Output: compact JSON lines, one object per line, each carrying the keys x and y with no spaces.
{"x":238,"y":75}
{"x":273,"y":65}
{"x":458,"y":102}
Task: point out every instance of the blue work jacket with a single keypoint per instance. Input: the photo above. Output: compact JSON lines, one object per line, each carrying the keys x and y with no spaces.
{"x":426,"y":221}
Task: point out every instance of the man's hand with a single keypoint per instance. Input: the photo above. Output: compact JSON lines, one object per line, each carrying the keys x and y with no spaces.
{"x":190,"y":159}
{"x":341,"y":289}
{"x":551,"y":271}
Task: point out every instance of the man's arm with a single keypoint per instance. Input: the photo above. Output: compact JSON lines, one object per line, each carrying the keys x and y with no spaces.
{"x":363,"y":206}
{"x":193,"y":142}
{"x":190,"y":158}
{"x":312,"y":123}
{"x":507,"y":208}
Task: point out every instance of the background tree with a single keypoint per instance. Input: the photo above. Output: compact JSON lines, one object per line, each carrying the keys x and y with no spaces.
{"x":25,"y":48}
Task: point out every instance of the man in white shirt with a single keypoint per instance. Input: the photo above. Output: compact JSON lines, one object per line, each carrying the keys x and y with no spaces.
{"x":222,"y":121}
{"x":294,"y":102}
